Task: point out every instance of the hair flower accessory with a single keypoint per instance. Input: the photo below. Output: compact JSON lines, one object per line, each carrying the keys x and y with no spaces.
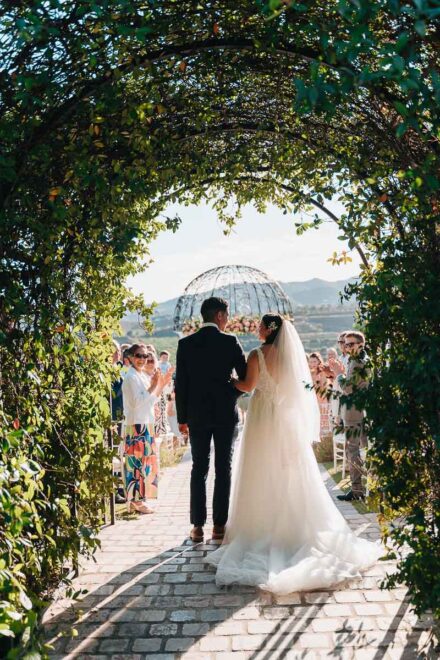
{"x":272,"y":326}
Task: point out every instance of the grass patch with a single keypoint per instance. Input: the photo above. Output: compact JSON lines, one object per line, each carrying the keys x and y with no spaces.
{"x":324,"y":449}
{"x":344,"y":485}
{"x":170,"y":458}
{"x":122,"y":513}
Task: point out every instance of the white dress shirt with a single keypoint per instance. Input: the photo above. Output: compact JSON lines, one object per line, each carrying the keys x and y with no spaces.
{"x":138,"y":401}
{"x":210,"y":325}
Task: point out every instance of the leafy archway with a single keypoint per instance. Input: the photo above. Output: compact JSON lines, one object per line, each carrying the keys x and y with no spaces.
{"x":111,"y":109}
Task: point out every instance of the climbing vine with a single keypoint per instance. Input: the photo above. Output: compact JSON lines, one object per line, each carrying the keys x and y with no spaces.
{"x":112,"y":109}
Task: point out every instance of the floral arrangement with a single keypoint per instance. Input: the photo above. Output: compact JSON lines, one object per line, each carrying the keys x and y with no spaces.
{"x":190,"y":326}
{"x":239,"y":325}
{"x":243,"y":325}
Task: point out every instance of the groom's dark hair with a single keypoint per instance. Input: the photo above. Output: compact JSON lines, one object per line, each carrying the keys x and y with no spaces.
{"x":211,"y":306}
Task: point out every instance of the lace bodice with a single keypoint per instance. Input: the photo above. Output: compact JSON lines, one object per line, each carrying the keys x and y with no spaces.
{"x":265,"y":383}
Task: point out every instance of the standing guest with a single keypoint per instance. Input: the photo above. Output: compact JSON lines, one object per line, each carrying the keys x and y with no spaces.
{"x":335,"y":365}
{"x":126,"y":361}
{"x":117,"y":354}
{"x":124,"y":357}
{"x":160,"y":408}
{"x":332,"y":357}
{"x":353,"y":419}
{"x":341,"y":345}
{"x":117,"y":409}
{"x":172,"y":415}
{"x":321,"y":384}
{"x":151,"y":363}
{"x":139,"y":457}
{"x":164,"y":361}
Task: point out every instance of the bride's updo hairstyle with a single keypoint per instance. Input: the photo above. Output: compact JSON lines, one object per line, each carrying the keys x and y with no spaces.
{"x":272,"y":322}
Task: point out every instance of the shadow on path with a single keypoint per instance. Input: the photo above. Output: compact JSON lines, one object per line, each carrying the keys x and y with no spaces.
{"x":170,"y":606}
{"x":153,"y":595}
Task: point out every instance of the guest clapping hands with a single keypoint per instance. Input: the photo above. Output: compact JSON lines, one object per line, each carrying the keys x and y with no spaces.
{"x":140,"y":393}
{"x":335,"y":365}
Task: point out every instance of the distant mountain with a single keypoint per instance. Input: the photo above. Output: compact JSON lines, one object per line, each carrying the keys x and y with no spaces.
{"x":314,"y":292}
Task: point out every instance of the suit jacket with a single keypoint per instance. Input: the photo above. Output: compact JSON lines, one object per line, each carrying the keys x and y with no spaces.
{"x":204,"y":365}
{"x":357,"y":377}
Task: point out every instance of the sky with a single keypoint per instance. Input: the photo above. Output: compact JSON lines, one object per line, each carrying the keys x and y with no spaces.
{"x":265,"y":241}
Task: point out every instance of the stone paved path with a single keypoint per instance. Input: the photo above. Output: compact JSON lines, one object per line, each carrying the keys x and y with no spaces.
{"x":151,"y":595}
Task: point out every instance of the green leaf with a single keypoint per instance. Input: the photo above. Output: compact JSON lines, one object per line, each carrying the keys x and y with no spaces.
{"x":420,"y":27}
{"x":25,"y":600}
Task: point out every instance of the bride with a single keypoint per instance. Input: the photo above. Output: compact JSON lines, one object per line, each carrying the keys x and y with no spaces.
{"x":284,"y":532}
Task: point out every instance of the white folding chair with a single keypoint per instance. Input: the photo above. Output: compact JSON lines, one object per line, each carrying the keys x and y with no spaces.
{"x":339,"y":452}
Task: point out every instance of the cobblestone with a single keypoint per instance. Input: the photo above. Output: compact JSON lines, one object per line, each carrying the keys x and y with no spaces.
{"x":183,"y":616}
{"x":179,"y":644}
{"x":163,"y":629}
{"x":153,"y":596}
{"x":152,"y":615}
{"x":147,"y":645}
{"x":195,"y":629}
{"x":215,"y":644}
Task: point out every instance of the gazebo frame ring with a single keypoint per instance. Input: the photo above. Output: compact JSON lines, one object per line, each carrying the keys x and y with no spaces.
{"x":250,"y":293}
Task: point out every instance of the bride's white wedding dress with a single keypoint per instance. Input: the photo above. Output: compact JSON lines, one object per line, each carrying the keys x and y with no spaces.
{"x":284,"y":532}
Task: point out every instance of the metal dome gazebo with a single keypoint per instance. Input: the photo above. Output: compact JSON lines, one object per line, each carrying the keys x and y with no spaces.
{"x":249,"y":292}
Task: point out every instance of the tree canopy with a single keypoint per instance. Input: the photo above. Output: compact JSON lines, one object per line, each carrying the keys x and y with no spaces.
{"x":112,"y":109}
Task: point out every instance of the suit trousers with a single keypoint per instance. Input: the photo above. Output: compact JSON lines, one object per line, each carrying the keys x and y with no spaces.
{"x":355,"y":439}
{"x":200,"y":438}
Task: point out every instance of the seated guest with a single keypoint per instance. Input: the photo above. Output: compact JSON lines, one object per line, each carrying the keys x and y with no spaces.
{"x":139,"y":459}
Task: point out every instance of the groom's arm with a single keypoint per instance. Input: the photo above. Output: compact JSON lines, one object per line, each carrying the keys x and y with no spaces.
{"x":239,"y":360}
{"x":181,"y":386}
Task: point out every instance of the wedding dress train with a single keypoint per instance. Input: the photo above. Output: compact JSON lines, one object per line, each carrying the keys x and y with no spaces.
{"x":284,"y":532}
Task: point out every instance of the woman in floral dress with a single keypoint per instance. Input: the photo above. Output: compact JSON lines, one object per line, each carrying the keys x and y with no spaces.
{"x":139,"y":458}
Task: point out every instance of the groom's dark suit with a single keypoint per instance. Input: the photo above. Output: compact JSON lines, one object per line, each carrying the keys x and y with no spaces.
{"x":206,"y":401}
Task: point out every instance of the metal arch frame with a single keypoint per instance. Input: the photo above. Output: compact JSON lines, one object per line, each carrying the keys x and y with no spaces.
{"x":243,"y":284}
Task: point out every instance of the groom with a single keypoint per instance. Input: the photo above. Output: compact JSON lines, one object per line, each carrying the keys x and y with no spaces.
{"x":206,"y":408}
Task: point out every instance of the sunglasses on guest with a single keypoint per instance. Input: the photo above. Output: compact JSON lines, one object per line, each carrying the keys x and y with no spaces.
{"x":142,"y":356}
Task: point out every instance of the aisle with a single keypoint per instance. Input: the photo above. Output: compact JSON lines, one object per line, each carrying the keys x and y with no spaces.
{"x":151,"y":595}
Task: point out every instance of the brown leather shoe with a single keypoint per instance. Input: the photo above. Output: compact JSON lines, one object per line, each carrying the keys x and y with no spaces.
{"x":218,"y":532}
{"x":196,"y":534}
